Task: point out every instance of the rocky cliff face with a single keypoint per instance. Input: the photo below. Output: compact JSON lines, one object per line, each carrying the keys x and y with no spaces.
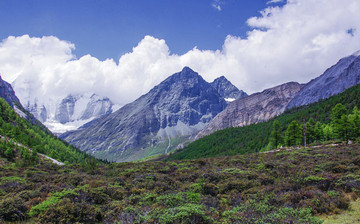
{"x":155,"y":123}
{"x":336,"y":79}
{"x":227,"y":90}
{"x":255,"y":108}
{"x":82,"y":107}
{"x":7,"y":92}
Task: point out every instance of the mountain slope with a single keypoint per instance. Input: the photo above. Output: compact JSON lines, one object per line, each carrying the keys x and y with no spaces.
{"x":155,"y":123}
{"x":255,"y":108}
{"x":336,"y":79}
{"x":252,"y":138}
{"x":227,"y":90}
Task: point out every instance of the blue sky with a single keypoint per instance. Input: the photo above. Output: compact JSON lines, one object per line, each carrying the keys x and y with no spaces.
{"x":121,"y":49}
{"x":110,"y":28}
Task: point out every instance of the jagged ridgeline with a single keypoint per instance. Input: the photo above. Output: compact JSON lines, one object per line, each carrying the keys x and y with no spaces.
{"x":253,"y":138}
{"x":21,"y":131}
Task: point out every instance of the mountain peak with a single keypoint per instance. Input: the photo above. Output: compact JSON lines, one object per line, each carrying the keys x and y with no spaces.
{"x":226,"y":89}
{"x":186,"y":69}
{"x":155,"y":123}
{"x":186,"y":73}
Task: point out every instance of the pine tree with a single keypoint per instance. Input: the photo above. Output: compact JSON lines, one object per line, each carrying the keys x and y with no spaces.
{"x":293,"y":134}
{"x":354,"y":120}
{"x":310,"y":131}
{"x":328,"y":132}
{"x":275,"y":138}
{"x":336,"y":119}
{"x":344,"y":128}
{"x":318,"y":132}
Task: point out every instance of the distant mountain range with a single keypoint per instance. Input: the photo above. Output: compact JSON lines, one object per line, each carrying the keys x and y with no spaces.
{"x":158,"y":121}
{"x":181,"y":108}
{"x":185,"y":107}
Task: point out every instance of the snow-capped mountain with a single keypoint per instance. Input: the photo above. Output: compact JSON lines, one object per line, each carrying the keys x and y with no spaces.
{"x":61,"y":113}
{"x":74,"y":111}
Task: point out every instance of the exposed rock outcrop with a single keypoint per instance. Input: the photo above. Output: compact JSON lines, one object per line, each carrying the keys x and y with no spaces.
{"x":336,"y":79}
{"x":227,"y":90}
{"x":255,"y":108}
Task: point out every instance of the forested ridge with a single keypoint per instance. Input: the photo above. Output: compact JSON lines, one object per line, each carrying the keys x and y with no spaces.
{"x":16,"y":129}
{"x":257,"y":137}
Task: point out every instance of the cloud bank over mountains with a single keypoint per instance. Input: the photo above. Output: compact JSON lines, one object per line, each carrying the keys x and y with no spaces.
{"x":295,"y":42}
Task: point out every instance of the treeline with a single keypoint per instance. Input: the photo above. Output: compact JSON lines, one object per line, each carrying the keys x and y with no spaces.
{"x":256,"y":137}
{"x":24,"y":132}
{"x":342,"y":126}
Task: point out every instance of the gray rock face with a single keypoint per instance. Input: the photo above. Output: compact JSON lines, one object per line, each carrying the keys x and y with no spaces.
{"x":97,"y":107}
{"x":255,"y":108}
{"x":155,"y":123}
{"x":73,"y":108}
{"x":226,"y":89}
{"x":7,"y":92}
{"x":65,"y":110}
{"x":336,"y":79}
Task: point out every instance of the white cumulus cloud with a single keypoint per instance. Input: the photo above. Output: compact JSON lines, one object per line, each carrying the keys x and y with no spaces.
{"x":295,"y":42}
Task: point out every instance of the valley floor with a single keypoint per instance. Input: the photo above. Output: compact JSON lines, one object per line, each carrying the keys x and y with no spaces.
{"x":296,"y":186}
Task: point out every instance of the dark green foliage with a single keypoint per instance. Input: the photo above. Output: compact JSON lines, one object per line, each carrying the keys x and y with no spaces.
{"x":293,"y":135}
{"x":275,"y":137}
{"x":256,"y":137}
{"x":13,"y":209}
{"x":311,"y":133}
{"x":287,"y":186}
{"x":262,"y":211}
{"x":68,"y":212}
{"x":9,"y":153}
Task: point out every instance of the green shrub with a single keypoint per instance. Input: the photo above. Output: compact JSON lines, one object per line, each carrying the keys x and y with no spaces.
{"x":54,"y":199}
{"x":13,"y":209}
{"x":260,"y":212}
{"x":313,"y":179}
{"x":68,"y":212}
{"x":170,"y":200}
{"x":188,"y":213}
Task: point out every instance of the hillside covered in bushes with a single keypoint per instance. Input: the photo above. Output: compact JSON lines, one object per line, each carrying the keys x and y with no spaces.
{"x":283,"y":187}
